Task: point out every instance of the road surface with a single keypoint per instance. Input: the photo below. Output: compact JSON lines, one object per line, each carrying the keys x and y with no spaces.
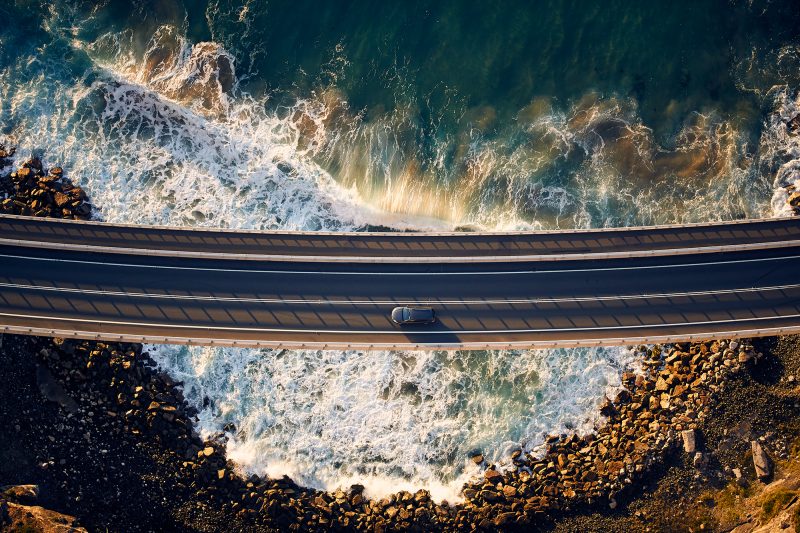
{"x":588,"y":288}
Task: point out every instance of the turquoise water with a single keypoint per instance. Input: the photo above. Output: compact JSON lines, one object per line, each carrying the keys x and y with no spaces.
{"x":508,"y":114}
{"x":421,"y":115}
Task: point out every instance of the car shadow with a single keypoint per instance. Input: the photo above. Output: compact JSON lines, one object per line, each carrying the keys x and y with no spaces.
{"x":436,"y":333}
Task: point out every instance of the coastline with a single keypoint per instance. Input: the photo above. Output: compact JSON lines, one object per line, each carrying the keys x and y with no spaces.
{"x":146,"y":466}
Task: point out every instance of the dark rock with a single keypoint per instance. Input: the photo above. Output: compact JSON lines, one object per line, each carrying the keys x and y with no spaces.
{"x":607,"y":408}
{"x":53,"y":391}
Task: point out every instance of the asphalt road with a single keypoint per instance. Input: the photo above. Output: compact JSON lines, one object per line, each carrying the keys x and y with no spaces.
{"x":318,"y":304}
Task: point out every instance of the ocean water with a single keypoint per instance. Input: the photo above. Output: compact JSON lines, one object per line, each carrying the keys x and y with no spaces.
{"x":413,"y":115}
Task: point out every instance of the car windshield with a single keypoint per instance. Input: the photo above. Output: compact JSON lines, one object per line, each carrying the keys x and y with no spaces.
{"x":406,"y":313}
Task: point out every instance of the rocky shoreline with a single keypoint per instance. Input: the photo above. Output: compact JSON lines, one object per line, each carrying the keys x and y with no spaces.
{"x":34,"y":191}
{"x":117,"y":448}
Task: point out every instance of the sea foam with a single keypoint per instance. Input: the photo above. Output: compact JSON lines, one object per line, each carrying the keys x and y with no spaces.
{"x":390,"y":419}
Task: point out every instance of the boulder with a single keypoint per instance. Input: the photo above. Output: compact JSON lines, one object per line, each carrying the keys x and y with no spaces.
{"x":689,"y":440}
{"x":700,"y":460}
{"x":505,"y":518}
{"x":493,"y":476}
{"x":607,"y":408}
{"x":761,"y":461}
{"x":53,"y":391}
{"x":509,"y":491}
{"x":61,"y":199}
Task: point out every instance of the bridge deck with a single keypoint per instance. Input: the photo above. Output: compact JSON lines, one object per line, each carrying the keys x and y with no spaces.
{"x":227,"y":300}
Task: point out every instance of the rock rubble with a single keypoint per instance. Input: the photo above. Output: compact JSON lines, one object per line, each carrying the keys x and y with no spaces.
{"x":34,"y":191}
{"x":18,"y":512}
{"x":648,"y":417}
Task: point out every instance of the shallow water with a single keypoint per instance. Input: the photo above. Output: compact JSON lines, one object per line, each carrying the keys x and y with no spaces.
{"x":422,"y":115}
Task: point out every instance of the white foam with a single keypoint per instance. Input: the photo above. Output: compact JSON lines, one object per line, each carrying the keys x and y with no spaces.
{"x":390,"y":419}
{"x":779,"y":149}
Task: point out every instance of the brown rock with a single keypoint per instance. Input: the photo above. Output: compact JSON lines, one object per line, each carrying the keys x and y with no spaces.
{"x":470,"y":494}
{"x":505,"y":518}
{"x":489,"y":496}
{"x":35,"y":518}
{"x":761,"y":460}
{"x":509,"y":491}
{"x":493,"y":476}
{"x":61,"y":199}
{"x":562,"y":460}
{"x":20,"y":493}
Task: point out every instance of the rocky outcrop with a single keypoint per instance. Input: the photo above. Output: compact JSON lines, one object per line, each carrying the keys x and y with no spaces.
{"x":656,"y":410}
{"x":646,"y":419}
{"x":34,"y":191}
{"x":18,"y":513}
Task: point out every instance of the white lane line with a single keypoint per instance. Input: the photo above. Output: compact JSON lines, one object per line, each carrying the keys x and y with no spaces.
{"x":444,"y":259}
{"x":392,"y":332}
{"x":398,"y":302}
{"x":332,"y":273}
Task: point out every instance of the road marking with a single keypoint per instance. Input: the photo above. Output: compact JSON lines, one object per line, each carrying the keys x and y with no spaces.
{"x":397,"y":302}
{"x":487,"y":273}
{"x":385,"y":332}
{"x":659,"y":252}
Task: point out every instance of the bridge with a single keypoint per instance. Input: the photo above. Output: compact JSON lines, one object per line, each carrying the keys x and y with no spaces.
{"x":336,"y":290}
